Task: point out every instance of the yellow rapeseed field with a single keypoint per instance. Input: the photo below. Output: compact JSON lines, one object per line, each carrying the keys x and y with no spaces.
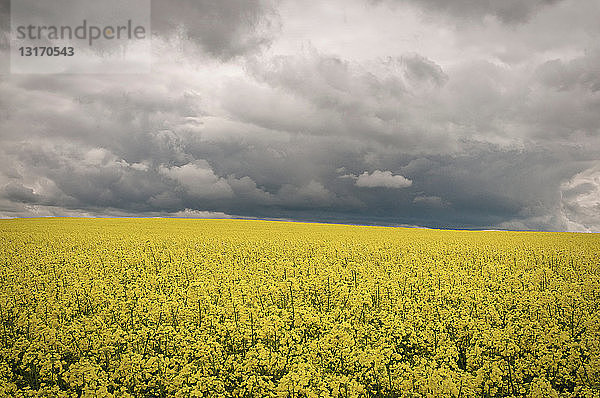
{"x":234,"y":308}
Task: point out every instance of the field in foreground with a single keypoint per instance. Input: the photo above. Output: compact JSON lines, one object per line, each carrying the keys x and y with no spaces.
{"x":162,"y":308}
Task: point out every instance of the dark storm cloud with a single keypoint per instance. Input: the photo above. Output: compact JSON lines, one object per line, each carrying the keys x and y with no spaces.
{"x":18,"y":193}
{"x":429,"y":136}
{"x":223,"y":28}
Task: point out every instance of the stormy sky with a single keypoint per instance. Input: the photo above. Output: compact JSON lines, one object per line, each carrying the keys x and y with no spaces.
{"x":437,"y":113}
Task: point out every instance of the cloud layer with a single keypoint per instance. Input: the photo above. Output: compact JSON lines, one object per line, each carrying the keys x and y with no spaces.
{"x":383,"y":179}
{"x":507,"y":11}
{"x":470,"y":116}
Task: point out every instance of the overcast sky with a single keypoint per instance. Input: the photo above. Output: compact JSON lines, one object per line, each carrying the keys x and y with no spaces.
{"x":437,"y":113}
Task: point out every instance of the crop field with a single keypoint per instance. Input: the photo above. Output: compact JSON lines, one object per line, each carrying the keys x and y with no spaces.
{"x":235,"y":308}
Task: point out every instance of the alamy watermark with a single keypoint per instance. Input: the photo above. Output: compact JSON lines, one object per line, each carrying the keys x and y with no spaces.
{"x":80,"y":36}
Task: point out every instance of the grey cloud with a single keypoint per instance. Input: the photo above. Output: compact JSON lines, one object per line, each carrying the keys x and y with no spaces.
{"x":4,"y":31}
{"x":483,"y":144}
{"x":79,"y":177}
{"x":421,"y":69}
{"x":582,"y":72}
{"x":224,"y":28}
{"x":580,"y":201}
{"x":430,"y":201}
{"x":384,"y":179}
{"x":337,"y":97}
{"x":17,"y":192}
{"x":167,"y":160}
{"x":328,"y":81}
{"x":507,"y":11}
{"x":312,"y":195}
{"x":198,"y":180}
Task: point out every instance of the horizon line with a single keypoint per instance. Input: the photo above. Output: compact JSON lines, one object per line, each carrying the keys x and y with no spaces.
{"x":282,"y":220}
